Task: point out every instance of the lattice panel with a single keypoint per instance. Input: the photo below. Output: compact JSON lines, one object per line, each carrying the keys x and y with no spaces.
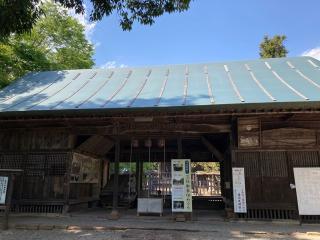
{"x":274,"y":164}
{"x":37,"y":208}
{"x":304,"y":159}
{"x":57,"y":164}
{"x":269,"y":214}
{"x":250,"y":161}
{"x":12,"y":161}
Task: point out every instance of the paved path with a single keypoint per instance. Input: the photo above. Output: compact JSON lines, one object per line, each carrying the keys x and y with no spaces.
{"x":98,"y":226}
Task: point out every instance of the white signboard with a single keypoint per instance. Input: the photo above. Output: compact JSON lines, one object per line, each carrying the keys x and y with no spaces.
{"x":239,"y":190}
{"x":181,"y":185}
{"x":3,"y":189}
{"x":307,"y":182}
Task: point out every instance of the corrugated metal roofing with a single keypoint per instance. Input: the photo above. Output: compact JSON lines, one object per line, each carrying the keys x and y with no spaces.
{"x":282,"y":80}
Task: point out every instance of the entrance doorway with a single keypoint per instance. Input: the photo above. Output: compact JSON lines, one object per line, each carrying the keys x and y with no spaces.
{"x":146,"y":171}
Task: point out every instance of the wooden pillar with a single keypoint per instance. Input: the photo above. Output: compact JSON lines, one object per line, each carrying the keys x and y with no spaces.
{"x":115,"y":213}
{"x":66,"y":184}
{"x":138,"y":177}
{"x":180,"y":151}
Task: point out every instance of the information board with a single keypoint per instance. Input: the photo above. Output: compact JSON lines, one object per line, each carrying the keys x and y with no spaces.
{"x":181,"y":185}
{"x":239,"y":190}
{"x":3,"y":189}
{"x":307,"y":181}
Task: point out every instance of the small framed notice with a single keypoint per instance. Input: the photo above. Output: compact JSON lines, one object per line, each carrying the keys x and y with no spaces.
{"x":239,"y":190}
{"x":3,"y":189}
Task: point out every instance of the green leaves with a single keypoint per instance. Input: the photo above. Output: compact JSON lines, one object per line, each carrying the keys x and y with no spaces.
{"x":19,"y":16}
{"x":56,"y":42}
{"x":273,"y":47}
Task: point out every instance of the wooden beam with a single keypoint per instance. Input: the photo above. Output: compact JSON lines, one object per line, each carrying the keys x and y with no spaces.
{"x":212,"y":149}
{"x":96,"y":145}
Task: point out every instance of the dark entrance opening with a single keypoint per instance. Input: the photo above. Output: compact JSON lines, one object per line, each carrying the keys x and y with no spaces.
{"x":144,"y":173}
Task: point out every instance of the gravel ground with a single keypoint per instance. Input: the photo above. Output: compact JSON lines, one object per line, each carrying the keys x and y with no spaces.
{"x":142,"y":235}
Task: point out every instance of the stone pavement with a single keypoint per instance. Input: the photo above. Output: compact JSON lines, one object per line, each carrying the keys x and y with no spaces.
{"x":96,"y":225}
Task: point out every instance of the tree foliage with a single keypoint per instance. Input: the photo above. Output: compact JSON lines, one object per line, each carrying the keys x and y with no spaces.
{"x":273,"y":47}
{"x":17,"y":16}
{"x":57,"y":41}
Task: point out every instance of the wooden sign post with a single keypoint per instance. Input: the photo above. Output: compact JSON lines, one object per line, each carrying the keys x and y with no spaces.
{"x":7,"y":177}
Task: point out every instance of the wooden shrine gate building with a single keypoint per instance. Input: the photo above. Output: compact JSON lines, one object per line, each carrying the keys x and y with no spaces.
{"x":63,"y":128}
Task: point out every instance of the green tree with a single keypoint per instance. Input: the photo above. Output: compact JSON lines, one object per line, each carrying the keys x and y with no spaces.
{"x":56,"y":42}
{"x":273,"y":47}
{"x":18,"y":16}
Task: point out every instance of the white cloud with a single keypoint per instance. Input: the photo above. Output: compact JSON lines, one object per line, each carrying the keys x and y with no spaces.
{"x":112,"y":64}
{"x":83,"y":19}
{"x":315,"y":53}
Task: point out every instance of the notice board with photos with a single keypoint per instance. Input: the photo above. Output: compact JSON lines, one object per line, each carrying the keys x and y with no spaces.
{"x":3,"y":189}
{"x":181,"y":185}
{"x":239,"y":190}
{"x":307,"y":181}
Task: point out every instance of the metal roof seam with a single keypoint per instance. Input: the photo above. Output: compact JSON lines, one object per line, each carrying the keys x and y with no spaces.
{"x":313,"y":64}
{"x":22,"y":91}
{"x":208,"y":84}
{"x":234,"y":86}
{"x":285,"y":83}
{"x":255,"y":79}
{"x":66,"y":85}
{"x":304,"y":76}
{"x":289,"y":86}
{"x":185,"y":86}
{"x":290,"y":65}
{"x":163,"y":87}
{"x":16,"y":104}
{"x":93,"y":75}
{"x":76,"y":76}
{"x":119,"y":89}
{"x":140,"y":89}
{"x":60,"y":102}
{"x":98,"y":89}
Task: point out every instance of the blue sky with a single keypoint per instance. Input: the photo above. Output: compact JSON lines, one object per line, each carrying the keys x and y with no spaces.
{"x":211,"y":30}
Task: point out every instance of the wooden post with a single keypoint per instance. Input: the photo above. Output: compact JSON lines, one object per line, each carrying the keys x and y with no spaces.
{"x":66,"y":185}
{"x":138,"y":177}
{"x":180,"y":153}
{"x":115,"y":213}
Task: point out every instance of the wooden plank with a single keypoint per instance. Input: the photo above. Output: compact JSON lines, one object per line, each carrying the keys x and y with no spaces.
{"x":96,"y":145}
{"x":248,"y":132}
{"x":289,"y":137}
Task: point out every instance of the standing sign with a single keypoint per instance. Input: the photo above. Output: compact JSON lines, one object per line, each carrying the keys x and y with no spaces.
{"x":3,"y":189}
{"x":181,"y":185}
{"x":239,"y":190}
{"x":307,"y":181}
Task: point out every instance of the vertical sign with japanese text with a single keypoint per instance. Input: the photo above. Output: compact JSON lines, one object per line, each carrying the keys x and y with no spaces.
{"x":239,"y":190}
{"x":181,"y":185}
{"x":3,"y":189}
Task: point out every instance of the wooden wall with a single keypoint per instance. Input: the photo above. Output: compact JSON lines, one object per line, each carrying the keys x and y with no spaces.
{"x":269,"y":155}
{"x":44,"y":157}
{"x":34,"y":140}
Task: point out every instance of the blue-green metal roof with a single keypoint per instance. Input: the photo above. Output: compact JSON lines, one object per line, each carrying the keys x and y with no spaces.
{"x":280,"y":80}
